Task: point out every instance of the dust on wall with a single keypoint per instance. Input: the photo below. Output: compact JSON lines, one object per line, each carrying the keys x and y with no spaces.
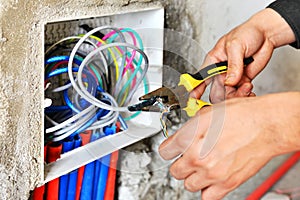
{"x":21,"y":82}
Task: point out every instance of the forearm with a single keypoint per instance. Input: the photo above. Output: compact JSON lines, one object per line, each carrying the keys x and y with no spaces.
{"x":285,"y":116}
{"x":290,"y":11}
{"x":274,"y":27}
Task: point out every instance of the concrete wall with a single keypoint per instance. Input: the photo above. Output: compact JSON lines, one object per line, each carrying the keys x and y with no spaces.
{"x":21,"y":82}
{"x":21,"y":86}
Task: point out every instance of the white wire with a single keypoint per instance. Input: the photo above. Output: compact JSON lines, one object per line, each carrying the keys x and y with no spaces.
{"x":62,"y":88}
{"x":76,"y":124}
{"x":70,"y":64}
{"x":86,"y":40}
{"x":51,"y":120}
{"x":70,"y":120}
{"x":102,"y":124}
{"x":115,"y":116}
{"x":89,"y":97}
{"x":71,"y":125}
{"x":82,"y":90}
{"x":69,"y":38}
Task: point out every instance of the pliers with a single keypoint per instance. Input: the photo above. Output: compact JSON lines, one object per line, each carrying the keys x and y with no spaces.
{"x":178,"y":97}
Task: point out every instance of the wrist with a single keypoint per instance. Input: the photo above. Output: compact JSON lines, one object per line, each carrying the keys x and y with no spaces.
{"x":275,"y":29}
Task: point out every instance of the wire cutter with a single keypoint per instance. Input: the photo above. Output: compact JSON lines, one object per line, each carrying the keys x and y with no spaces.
{"x":178,"y":97}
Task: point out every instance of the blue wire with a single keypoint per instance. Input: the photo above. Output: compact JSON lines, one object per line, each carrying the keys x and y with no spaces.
{"x":53,"y":109}
{"x":91,"y":85}
{"x":61,"y":58}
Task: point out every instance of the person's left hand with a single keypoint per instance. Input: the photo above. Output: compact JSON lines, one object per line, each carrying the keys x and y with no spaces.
{"x":250,"y":135}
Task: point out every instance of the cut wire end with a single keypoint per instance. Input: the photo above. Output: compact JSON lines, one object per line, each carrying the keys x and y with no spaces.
{"x":165,"y":110}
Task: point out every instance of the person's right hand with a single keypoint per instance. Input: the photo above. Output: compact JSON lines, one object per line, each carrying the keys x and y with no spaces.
{"x":256,"y":37}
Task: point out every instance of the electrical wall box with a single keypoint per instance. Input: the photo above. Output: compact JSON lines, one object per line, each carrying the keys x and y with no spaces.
{"x":149,"y":23}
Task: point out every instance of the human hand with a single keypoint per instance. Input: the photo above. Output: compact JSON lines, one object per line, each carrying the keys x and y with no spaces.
{"x":256,"y":37}
{"x":245,"y":144}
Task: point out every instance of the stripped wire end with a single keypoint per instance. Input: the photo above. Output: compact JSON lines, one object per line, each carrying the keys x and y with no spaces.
{"x":165,"y":110}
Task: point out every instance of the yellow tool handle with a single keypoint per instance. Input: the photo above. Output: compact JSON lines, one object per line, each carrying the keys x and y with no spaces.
{"x":191,"y":81}
{"x":193,"y":105}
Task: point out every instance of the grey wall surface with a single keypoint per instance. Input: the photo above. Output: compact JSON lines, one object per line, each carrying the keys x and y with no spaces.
{"x":21,"y":86}
{"x":21,"y":82}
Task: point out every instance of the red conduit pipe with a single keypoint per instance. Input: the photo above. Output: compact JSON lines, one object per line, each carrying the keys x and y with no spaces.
{"x":111,"y":178}
{"x":53,"y":153}
{"x":38,"y":193}
{"x":273,"y":178}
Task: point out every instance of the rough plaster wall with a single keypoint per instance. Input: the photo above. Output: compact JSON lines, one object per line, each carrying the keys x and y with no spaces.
{"x":21,"y":82}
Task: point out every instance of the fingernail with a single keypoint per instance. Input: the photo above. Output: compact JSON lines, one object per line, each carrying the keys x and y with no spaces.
{"x":247,"y":89}
{"x":229,"y":78}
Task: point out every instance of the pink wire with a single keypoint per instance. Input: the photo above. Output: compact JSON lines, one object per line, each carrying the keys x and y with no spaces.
{"x":129,"y":61}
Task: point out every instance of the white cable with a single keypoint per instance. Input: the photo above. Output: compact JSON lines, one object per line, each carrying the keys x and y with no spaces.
{"x":66,"y":39}
{"x":82,"y":90}
{"x":103,"y":124}
{"x":92,"y":100}
{"x":75,"y":124}
{"x":70,"y":120}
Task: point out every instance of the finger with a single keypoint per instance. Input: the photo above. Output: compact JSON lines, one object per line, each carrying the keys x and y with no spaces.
{"x":214,"y":56}
{"x":261,"y":58}
{"x":196,"y":182}
{"x":180,"y":141}
{"x":181,"y":168}
{"x":185,"y":136}
{"x":235,"y":55}
{"x":216,"y":192}
{"x":243,"y":90}
{"x":198,"y":91}
{"x":217,"y":91}
{"x":230,"y":92}
{"x":252,"y":94}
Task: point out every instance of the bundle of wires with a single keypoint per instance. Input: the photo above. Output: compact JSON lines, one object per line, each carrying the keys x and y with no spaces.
{"x":92,"y":80}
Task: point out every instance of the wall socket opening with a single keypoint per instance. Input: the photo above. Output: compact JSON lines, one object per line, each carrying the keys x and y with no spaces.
{"x":149,"y":25}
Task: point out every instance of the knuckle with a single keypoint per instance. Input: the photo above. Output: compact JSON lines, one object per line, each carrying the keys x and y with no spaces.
{"x":216,"y":54}
{"x":191,"y":186}
{"x":232,"y":43}
{"x":211,"y":175}
{"x":197,"y":163}
{"x":183,"y":144}
{"x":231,"y":183}
{"x":212,"y":196}
{"x":175,"y":172}
{"x":213,"y":193}
{"x":210,"y":55}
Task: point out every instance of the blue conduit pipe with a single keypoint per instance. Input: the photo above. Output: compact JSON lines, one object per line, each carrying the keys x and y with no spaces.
{"x":87,"y":182}
{"x":74,"y":174}
{"x":104,"y":168}
{"x":67,"y":145}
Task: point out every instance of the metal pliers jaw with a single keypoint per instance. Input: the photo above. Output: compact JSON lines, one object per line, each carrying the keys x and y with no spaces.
{"x":157,"y":101}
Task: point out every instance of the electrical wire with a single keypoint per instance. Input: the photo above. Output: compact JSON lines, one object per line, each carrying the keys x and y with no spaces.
{"x":82,"y":90}
{"x":89,"y":70}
